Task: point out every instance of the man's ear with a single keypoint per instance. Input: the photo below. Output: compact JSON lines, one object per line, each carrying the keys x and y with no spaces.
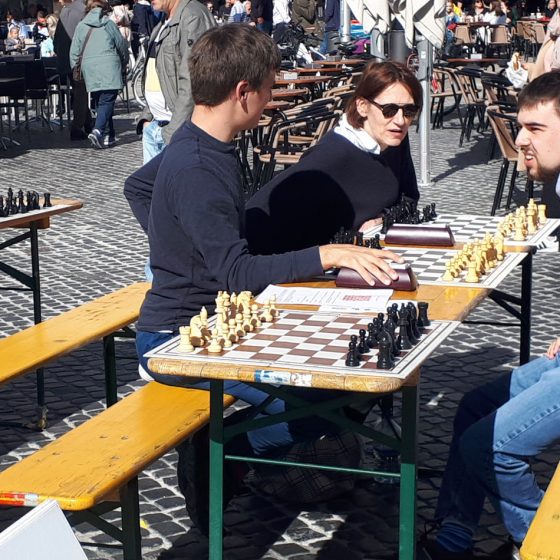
{"x":242,"y":90}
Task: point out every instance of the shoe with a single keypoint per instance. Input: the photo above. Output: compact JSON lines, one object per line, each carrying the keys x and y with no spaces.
{"x":507,"y":551}
{"x":109,"y":141}
{"x":89,"y":124}
{"x":429,"y":549}
{"x":77,"y":134}
{"x":96,"y":139}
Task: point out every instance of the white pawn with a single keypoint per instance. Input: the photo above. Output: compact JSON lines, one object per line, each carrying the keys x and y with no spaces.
{"x":273,"y":310}
{"x":215,"y":346}
{"x":185,"y":344}
{"x":232,"y":333}
{"x":255,"y":316}
{"x":239,"y":330}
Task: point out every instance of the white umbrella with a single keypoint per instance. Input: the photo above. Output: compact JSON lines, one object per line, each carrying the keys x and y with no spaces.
{"x":372,"y":14}
{"x":426,"y":16}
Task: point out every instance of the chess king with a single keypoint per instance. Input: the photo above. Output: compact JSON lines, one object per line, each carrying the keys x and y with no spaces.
{"x":195,"y":232}
{"x":502,"y":426}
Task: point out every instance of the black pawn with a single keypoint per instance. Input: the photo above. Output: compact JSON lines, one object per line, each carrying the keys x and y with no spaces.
{"x":433,"y":210}
{"x":2,"y":214}
{"x":384,"y":359}
{"x":47,"y":200}
{"x":21,"y":208}
{"x":363,"y":347}
{"x":423,"y":320}
{"x":352,"y":358}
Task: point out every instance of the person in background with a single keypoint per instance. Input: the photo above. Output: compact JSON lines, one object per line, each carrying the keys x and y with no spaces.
{"x":14,"y":43}
{"x":478,"y":10}
{"x":332,"y":26}
{"x":15,"y":19}
{"x":167,"y":83}
{"x":551,"y":7}
{"x":47,"y":45}
{"x":71,"y":14}
{"x":40,"y":31}
{"x":495,"y":16}
{"x":261,"y":15}
{"x":304,"y":12}
{"x":280,"y":16}
{"x":451,"y":21}
{"x":237,"y":13}
{"x":224,"y":11}
{"x":142,"y":24}
{"x":104,"y":54}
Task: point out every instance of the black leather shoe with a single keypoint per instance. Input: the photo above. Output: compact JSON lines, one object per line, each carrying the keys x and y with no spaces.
{"x":429,"y":549}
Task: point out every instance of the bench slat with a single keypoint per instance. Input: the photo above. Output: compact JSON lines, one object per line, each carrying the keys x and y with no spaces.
{"x":541,"y":542}
{"x":35,"y":346}
{"x":99,"y":456}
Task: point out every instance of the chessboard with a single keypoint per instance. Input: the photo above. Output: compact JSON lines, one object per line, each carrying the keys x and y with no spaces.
{"x":429,"y":265}
{"x":298,"y":343}
{"x":468,"y":227}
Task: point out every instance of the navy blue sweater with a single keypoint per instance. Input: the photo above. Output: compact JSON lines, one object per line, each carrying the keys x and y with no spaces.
{"x":196,"y":232}
{"x":334,"y":185}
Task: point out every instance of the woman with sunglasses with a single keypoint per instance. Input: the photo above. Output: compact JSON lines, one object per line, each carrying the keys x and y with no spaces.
{"x":351,"y":176}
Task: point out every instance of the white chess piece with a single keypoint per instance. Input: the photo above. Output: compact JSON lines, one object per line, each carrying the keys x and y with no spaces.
{"x":185,"y":344}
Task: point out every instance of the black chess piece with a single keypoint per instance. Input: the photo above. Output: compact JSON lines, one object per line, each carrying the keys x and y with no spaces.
{"x":433,"y":212}
{"x":47,"y":200}
{"x":371,"y":339}
{"x":352,"y":358}
{"x":403,"y":342}
{"x":376,"y":242}
{"x":413,"y":317}
{"x":384,"y":359}
{"x":360,"y":238}
{"x":2,"y":215}
{"x":22,"y":209}
{"x":363,"y":347}
{"x":423,"y":320}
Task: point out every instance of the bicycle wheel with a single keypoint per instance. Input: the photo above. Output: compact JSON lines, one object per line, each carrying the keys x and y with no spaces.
{"x":138,"y":88}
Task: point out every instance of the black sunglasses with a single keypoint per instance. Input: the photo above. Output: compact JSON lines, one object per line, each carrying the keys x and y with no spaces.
{"x":389,"y":110}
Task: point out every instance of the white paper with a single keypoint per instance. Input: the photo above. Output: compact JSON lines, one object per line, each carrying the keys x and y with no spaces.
{"x":329,"y":299}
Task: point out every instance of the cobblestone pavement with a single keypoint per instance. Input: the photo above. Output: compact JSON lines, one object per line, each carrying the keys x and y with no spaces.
{"x":100,"y":248}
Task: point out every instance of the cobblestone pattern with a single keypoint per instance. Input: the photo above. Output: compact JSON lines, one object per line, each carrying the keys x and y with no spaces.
{"x":100,"y":248}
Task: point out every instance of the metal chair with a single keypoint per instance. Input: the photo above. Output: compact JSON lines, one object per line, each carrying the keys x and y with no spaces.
{"x":504,"y":127}
{"x":13,"y":97}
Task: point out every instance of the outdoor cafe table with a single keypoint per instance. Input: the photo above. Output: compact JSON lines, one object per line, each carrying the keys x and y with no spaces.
{"x":313,"y":83}
{"x":445,"y":303}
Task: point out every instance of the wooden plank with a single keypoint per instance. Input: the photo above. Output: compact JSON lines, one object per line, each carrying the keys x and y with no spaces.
{"x":37,"y":345}
{"x":541,"y":542}
{"x":24,"y":220}
{"x":98,"y":457}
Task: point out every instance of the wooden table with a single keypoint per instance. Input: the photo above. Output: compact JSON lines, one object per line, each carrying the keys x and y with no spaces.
{"x":33,"y":222}
{"x":486,"y":61}
{"x":346,"y":62}
{"x":450,"y":303}
{"x":289,"y":93}
{"x":312,"y":83}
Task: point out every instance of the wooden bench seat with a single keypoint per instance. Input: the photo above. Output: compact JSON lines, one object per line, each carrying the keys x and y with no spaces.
{"x":83,"y":469}
{"x":543,"y":538}
{"x":36,"y":346}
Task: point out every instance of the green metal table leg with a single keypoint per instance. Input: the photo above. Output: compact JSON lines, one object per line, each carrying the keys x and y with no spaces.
{"x":216,"y":468}
{"x":110,"y":362}
{"x":407,"y":529}
{"x":130,"y":512}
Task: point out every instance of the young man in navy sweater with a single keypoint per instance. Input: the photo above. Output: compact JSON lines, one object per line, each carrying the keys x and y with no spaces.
{"x":195,"y":226}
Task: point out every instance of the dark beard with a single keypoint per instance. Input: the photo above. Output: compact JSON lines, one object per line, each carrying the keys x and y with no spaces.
{"x":546,"y":175}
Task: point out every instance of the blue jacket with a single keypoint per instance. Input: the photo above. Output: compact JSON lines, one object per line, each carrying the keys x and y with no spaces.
{"x":106,"y":53}
{"x":332,"y":15}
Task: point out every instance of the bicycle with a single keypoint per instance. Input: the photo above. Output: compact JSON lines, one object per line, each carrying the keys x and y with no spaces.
{"x":136,"y":74}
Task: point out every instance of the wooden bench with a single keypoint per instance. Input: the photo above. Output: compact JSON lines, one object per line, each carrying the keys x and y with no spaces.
{"x":103,"y":318}
{"x":543,"y":541}
{"x":94,"y":468}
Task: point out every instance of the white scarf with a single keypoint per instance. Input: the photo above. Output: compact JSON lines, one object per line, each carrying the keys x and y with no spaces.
{"x":357,"y":136}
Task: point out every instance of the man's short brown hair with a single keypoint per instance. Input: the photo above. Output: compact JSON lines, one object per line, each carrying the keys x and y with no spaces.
{"x":543,"y":89}
{"x":377,"y":77}
{"x":226,"y":55}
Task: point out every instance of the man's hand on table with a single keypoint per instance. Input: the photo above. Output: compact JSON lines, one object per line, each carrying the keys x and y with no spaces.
{"x":371,"y":264}
{"x":366,"y":226}
{"x":553,"y":349}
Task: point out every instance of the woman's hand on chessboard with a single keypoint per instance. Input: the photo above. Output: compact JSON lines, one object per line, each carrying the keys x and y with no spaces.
{"x":553,"y":349}
{"x":371,"y":264}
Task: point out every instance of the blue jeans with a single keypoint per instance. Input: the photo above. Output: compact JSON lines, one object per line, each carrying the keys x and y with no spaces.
{"x":264,"y":440}
{"x":497,"y":428}
{"x":152,"y":141}
{"x":265,"y":27}
{"x":105,"y":105}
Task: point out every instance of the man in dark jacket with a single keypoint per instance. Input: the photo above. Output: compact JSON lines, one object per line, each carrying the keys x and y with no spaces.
{"x":261,"y":15}
{"x":71,"y":14}
{"x":332,"y":25}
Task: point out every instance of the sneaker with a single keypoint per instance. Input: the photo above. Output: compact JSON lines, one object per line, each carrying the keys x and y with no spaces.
{"x":429,"y":549}
{"x":109,"y":141}
{"x":96,"y":139}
